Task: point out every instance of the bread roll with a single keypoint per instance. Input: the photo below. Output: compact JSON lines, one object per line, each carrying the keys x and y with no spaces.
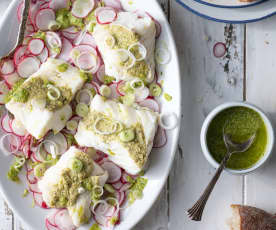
{"x":250,"y":218}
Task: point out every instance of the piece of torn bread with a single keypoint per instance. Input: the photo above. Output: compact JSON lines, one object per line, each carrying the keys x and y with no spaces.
{"x":251,"y":218}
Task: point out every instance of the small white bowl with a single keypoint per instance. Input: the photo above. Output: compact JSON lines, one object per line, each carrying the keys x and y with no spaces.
{"x":211,"y":116}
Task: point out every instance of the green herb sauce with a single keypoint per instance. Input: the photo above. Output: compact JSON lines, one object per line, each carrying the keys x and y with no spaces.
{"x":241,"y":123}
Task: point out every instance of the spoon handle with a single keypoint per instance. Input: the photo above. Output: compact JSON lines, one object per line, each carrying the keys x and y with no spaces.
{"x":22,"y":28}
{"x":195,"y":213}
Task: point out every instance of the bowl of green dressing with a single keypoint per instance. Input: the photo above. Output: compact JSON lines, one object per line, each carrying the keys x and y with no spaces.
{"x":240,"y":120}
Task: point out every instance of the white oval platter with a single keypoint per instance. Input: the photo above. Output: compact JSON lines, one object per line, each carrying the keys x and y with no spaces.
{"x":160,"y":159}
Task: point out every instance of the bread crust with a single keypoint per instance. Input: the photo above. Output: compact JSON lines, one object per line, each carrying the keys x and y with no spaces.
{"x":252,"y":218}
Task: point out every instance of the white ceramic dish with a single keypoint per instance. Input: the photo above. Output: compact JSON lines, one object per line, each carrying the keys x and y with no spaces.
{"x":229,"y":3}
{"x":160,"y":160}
{"x":215,"y":112}
{"x":229,"y":15}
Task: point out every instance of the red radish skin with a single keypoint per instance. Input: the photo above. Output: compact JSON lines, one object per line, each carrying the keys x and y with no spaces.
{"x":19,"y":54}
{"x":151,"y":104}
{"x":43,"y":18}
{"x":106,"y":15}
{"x":31,"y":177}
{"x":7,"y":66}
{"x":219,"y":49}
{"x":36,"y":46}
{"x":27,"y":66}
{"x":160,"y":139}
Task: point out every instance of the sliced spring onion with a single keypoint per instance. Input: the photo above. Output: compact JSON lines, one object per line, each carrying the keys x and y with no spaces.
{"x":20,"y":161}
{"x":84,"y":96}
{"x":114,"y":127}
{"x":162,"y":56}
{"x":82,"y":109}
{"x":109,"y":188}
{"x":137,"y":84}
{"x":72,"y":125}
{"x":126,"y":58}
{"x":86,"y":61}
{"x":103,"y":209}
{"x":53,"y":92}
{"x":127,"y":135}
{"x":98,"y":191}
{"x":105,"y":91}
{"x":110,"y":41}
{"x":142,"y":51}
{"x":53,"y":25}
{"x":53,"y":147}
{"x":155,"y":90}
{"x":168,"y":121}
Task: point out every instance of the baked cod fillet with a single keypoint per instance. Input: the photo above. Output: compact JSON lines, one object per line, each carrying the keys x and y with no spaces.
{"x":63,"y":185}
{"x":41,"y":103}
{"x":127,"y":31}
{"x":124,"y":133}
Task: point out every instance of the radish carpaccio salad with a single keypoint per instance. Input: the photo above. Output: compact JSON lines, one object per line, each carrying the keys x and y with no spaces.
{"x":81,"y":109}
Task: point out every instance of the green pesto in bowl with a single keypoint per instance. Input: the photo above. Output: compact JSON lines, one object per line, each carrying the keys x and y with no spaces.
{"x":241,"y":123}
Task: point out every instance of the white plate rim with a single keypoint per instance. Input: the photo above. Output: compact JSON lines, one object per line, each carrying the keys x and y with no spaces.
{"x":241,"y":5}
{"x":198,"y":11}
{"x":173,"y":147}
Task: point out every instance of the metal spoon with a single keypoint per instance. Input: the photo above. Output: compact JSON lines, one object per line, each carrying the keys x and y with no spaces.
{"x":22,"y":28}
{"x":195,"y":213}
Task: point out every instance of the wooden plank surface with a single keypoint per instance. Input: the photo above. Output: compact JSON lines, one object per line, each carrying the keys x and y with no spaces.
{"x":261,"y":90}
{"x":205,"y":85}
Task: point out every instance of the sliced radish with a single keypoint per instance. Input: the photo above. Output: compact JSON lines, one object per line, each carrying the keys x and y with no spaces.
{"x":50,"y":226}
{"x":88,"y":39}
{"x":19,"y":54}
{"x":5,"y":124}
{"x":151,"y":104}
{"x":18,"y":128}
{"x":105,"y":15}
{"x":125,"y":187}
{"x":7,"y":66}
{"x":120,"y":86}
{"x":36,"y":46}
{"x":28,"y":66}
{"x":32,"y":179}
{"x":51,"y":216}
{"x":70,"y":36}
{"x":44,"y":55}
{"x":86,"y":61}
{"x":30,"y":28}
{"x":116,"y":4}
{"x":113,"y":170}
{"x":100,"y":74}
{"x":59,"y":4}
{"x":117,"y":186}
{"x":39,"y":200}
{"x":160,"y":138}
{"x":141,"y":94}
{"x":59,"y":139}
{"x":34,"y":188}
{"x":89,"y":57}
{"x":114,"y":92}
{"x":219,"y":49}
{"x":65,"y":50}
{"x":81,"y":8}
{"x":10,"y":79}
{"x":63,"y":220}
{"x":44,"y":17}
{"x":20,"y":10}
{"x":53,"y":40}
{"x":71,"y":30}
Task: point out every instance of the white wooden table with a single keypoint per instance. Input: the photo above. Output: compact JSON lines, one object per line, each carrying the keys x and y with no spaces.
{"x":206,"y":82}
